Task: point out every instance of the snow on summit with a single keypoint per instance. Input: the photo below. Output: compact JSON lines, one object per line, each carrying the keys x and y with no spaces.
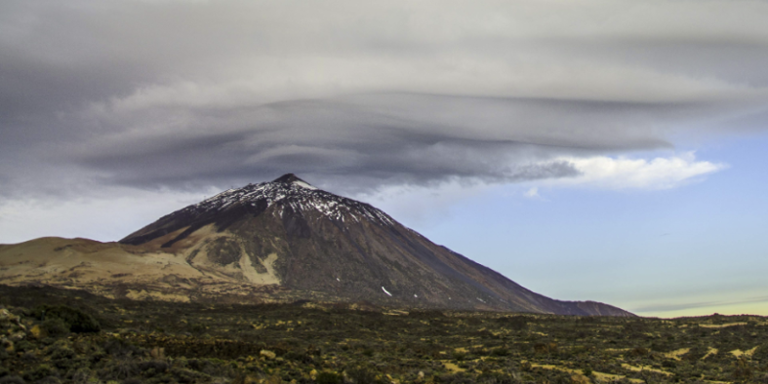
{"x":304,"y":185}
{"x":300,"y":196}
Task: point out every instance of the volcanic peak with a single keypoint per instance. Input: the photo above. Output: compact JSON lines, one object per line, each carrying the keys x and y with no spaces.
{"x":282,"y":240}
{"x":290,"y":178}
{"x":290,"y":192}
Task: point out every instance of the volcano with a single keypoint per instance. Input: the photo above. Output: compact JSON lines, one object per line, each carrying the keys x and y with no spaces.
{"x":284,"y":241}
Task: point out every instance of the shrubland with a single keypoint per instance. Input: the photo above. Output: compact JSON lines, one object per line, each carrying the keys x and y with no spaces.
{"x":67,"y":336}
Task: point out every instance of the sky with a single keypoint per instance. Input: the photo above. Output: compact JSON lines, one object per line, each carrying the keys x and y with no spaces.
{"x":589,"y":150}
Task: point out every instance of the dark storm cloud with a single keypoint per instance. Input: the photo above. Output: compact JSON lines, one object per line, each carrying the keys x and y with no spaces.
{"x":192,"y":93}
{"x":394,"y":138}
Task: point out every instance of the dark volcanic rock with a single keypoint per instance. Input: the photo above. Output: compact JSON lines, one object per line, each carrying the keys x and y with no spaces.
{"x":324,"y":245}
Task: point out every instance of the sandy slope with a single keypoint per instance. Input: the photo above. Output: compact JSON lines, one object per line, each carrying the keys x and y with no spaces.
{"x":180,"y":273}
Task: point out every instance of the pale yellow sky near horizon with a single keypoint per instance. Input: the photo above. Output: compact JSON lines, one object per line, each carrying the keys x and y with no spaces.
{"x":752,"y":308}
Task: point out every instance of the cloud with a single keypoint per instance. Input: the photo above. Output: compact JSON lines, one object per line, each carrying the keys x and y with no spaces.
{"x":532,"y":193}
{"x":185,"y":95}
{"x":382,"y":139}
{"x":626,"y":173}
{"x":372,"y":139}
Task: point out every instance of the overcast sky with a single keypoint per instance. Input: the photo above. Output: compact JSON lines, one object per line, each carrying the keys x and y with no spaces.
{"x":605,"y":150}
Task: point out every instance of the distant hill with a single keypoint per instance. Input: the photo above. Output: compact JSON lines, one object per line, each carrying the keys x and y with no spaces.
{"x":279,"y":241}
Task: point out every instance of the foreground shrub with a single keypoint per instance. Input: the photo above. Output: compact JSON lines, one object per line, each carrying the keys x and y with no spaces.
{"x":458,"y":378}
{"x":119,"y":369}
{"x":42,"y":371}
{"x":362,"y":375}
{"x":11,"y":379}
{"x":76,"y":320}
{"x":328,"y":378}
{"x":55,"y":327}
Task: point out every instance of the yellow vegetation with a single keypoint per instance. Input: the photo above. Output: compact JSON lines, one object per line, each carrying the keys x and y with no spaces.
{"x":644,"y":368}
{"x":721,"y":325}
{"x":676,"y":354}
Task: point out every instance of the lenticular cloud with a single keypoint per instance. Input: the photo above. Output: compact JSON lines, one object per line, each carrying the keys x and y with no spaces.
{"x":627,"y":173}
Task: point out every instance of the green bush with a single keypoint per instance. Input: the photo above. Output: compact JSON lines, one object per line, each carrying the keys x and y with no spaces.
{"x":120,"y":348}
{"x":457,"y":378}
{"x":742,"y":370}
{"x":11,"y":379}
{"x":119,"y":369}
{"x":362,"y":375}
{"x":61,"y":350}
{"x":55,"y":327}
{"x":41,"y":372}
{"x":669,"y":364}
{"x":153,"y":368}
{"x":496,"y":378}
{"x":197,"y":328}
{"x":326,"y":377}
{"x":77,"y":321}
{"x":23,"y":346}
{"x":81,"y":376}
{"x":515,"y":323}
{"x":761,"y":354}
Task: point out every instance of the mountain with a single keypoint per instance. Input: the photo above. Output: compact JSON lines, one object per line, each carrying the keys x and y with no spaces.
{"x":283,"y":240}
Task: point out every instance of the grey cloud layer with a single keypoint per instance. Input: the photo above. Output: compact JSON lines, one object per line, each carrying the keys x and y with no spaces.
{"x":178,"y":93}
{"x":366,"y":136}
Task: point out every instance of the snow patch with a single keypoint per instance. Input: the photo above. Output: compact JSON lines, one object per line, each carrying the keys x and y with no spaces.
{"x":385,"y":291}
{"x":298,"y":195}
{"x":304,"y":185}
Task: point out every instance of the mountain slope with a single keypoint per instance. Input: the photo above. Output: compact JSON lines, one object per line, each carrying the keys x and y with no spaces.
{"x":312,"y":244}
